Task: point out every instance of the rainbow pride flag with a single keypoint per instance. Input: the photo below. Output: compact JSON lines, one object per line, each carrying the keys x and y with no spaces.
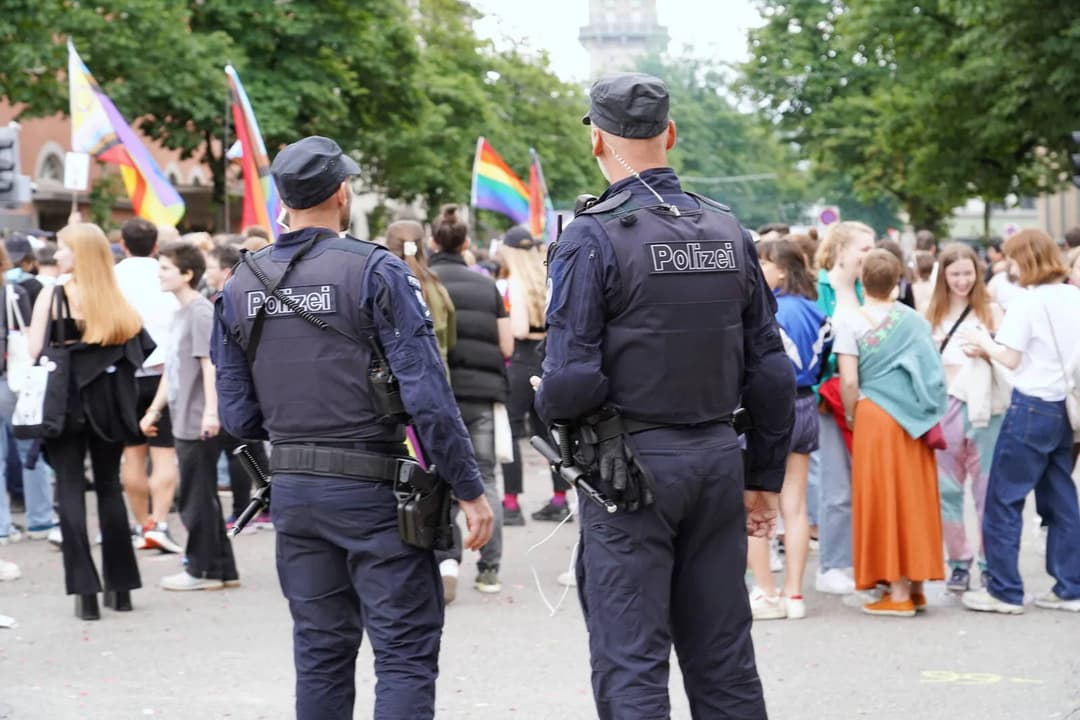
{"x":99,"y":129}
{"x":261,"y":203}
{"x":495,"y":187}
{"x":541,"y":211}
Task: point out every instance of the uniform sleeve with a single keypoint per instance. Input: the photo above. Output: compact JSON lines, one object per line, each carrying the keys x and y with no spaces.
{"x":769,"y":384}
{"x":405,"y":332}
{"x":574,"y":383}
{"x":238,"y":405}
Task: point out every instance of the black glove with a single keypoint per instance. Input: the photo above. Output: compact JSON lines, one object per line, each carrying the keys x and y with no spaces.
{"x":623,"y":479}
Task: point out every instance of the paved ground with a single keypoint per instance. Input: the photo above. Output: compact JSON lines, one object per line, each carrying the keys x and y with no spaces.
{"x":228,"y":654}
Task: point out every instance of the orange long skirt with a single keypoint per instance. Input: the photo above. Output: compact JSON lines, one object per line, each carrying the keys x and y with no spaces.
{"x":895,"y":507}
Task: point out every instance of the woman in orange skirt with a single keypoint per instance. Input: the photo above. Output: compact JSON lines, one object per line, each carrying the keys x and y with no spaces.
{"x":893,"y":387}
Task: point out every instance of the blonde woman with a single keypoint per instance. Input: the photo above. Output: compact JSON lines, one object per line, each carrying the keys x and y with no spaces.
{"x":978,"y":398}
{"x":523,"y":257}
{"x":107,"y":343}
{"x":839,"y":260}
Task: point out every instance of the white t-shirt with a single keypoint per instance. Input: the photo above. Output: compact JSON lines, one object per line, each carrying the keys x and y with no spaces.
{"x":1026,"y":329}
{"x":954,"y":353}
{"x":1002,"y":290}
{"x":138,"y":280}
{"x":851,"y":323}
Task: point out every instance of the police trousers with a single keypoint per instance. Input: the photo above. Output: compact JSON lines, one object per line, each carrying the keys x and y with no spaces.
{"x":344,"y":569}
{"x":672,"y":574}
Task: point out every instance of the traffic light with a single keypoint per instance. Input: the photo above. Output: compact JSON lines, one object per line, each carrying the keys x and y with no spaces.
{"x":1075,"y":157}
{"x":14,"y":188}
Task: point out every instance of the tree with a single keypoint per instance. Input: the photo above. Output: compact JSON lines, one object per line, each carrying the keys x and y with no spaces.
{"x":931,"y":103}
{"x":718,"y":143}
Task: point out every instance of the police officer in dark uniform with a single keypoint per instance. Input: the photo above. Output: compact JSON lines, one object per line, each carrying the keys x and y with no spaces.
{"x":660,"y":325}
{"x":341,"y":562}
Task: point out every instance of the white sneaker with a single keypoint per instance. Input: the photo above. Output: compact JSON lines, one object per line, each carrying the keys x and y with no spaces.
{"x":567,"y":579}
{"x":6,"y":621}
{"x":448,"y":569}
{"x":764,"y":607}
{"x":56,"y":539}
{"x":9,"y":571}
{"x":14,"y":535}
{"x":776,"y":563}
{"x":983,"y":601}
{"x":814,"y":546}
{"x":796,"y":607}
{"x":1051,"y":601}
{"x":183,"y":581}
{"x":834,"y":582}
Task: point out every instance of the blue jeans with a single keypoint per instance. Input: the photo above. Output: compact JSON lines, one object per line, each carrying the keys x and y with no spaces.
{"x":37,"y":488}
{"x":834,"y":508}
{"x":1034,"y":451}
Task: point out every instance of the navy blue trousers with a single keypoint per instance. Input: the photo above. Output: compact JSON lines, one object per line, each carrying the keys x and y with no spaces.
{"x":1033,"y":451}
{"x":344,"y":569}
{"x":672,"y":574}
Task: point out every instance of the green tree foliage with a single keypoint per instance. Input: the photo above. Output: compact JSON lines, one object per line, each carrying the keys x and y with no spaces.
{"x":718,"y":143}
{"x":931,"y":103}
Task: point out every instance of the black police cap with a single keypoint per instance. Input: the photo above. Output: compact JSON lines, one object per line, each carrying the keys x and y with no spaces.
{"x":310,"y":170}
{"x":629,"y":105}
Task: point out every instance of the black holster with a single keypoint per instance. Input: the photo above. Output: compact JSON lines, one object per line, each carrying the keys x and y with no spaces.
{"x":601,"y":443}
{"x":423,"y":508}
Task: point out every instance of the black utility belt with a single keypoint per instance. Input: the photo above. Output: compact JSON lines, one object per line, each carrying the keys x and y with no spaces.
{"x":636,"y":426}
{"x":335,"y":462}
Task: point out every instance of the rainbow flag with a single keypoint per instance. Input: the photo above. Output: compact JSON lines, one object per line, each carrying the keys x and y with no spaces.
{"x":99,"y":129}
{"x":541,"y":211}
{"x":495,"y":186}
{"x":261,"y":203}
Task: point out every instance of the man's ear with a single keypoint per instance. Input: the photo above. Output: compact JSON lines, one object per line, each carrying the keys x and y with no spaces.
{"x":597,"y":143}
{"x":672,"y":134}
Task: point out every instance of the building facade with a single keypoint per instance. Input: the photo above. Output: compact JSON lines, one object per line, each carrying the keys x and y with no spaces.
{"x":620,"y":33}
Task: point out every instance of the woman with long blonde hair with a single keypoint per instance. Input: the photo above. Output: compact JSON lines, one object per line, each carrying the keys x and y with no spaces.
{"x":527,"y":284}
{"x":106,"y":342}
{"x":978,"y":397}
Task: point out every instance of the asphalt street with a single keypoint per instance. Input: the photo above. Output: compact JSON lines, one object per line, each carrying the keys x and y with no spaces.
{"x":228,"y":654}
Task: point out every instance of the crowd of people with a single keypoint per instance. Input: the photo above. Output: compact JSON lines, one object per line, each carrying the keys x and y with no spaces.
{"x":920,"y":379}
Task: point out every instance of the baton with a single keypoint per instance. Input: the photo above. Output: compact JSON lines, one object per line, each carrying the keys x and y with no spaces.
{"x":571,"y":474}
{"x":260,"y":499}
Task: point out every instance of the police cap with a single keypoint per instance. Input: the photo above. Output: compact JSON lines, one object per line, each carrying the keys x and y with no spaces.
{"x":311,"y":170}
{"x":629,"y":105}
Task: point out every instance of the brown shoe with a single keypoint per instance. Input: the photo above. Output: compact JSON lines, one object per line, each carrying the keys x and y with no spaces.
{"x":886,"y":606}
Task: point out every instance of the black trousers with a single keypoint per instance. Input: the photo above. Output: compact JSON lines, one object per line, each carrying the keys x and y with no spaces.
{"x":239,"y":480}
{"x":66,"y":455}
{"x":209,"y":551}
{"x":525,"y":362}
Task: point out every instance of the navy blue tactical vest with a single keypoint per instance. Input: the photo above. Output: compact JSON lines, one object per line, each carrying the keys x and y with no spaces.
{"x":312,"y":384}
{"x":673,"y":342}
{"x":477,"y":369}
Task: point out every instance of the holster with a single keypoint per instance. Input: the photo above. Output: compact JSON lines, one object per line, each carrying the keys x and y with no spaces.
{"x":423,"y":507}
{"x":607,"y":432}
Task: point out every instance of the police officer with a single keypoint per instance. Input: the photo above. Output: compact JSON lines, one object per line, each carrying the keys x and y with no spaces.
{"x":660,"y":325}
{"x":342,"y":565}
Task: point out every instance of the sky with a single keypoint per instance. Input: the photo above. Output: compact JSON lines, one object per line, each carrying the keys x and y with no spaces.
{"x":716,"y":29}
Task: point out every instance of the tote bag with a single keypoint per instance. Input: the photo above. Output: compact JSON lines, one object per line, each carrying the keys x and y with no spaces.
{"x":18,"y":343}
{"x":41,"y":408}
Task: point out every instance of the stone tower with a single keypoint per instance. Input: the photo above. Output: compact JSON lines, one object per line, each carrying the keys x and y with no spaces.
{"x":620,"y":33}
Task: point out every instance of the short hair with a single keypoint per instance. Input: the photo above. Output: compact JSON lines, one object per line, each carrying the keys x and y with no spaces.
{"x":451,"y":232}
{"x":789,"y":257}
{"x":227,"y":256}
{"x":880,"y":273}
{"x":187,"y":258}
{"x":1072,"y":237}
{"x":1037,"y":258}
{"x":776,"y":227}
{"x":139,"y":236}
{"x":256,"y":231}
{"x":924,"y":264}
{"x":925,"y":240}
{"x":46,"y":254}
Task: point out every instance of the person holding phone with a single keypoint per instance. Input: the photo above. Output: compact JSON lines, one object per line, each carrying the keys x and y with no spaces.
{"x":188,"y":388}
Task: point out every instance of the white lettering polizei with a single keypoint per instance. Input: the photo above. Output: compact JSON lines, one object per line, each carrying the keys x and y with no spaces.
{"x":317,"y":299}
{"x":693,"y":257}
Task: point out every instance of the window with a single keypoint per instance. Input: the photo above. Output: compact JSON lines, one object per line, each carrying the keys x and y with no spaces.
{"x":52,"y":170}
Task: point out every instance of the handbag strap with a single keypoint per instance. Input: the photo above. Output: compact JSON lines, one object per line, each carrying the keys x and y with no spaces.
{"x":1069,"y":384}
{"x":59,"y":310}
{"x":955,"y":327}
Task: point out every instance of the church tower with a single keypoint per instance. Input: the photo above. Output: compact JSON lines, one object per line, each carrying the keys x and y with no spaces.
{"x":620,"y":33}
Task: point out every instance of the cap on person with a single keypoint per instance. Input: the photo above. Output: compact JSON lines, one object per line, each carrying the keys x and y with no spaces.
{"x":518,"y":237}
{"x":311,"y":170}
{"x":18,"y":247}
{"x":629,"y":105}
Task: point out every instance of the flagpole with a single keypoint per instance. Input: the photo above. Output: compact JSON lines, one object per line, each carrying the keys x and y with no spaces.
{"x":225,"y":159}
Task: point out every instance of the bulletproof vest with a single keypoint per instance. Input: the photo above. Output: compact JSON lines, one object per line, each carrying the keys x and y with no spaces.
{"x":477,"y":369}
{"x":313,"y":384}
{"x":673,"y":342}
